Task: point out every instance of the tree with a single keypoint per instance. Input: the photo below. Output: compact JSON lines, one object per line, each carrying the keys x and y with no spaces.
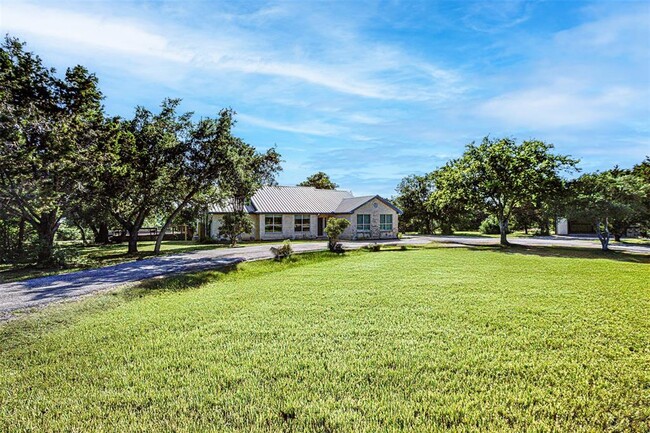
{"x":335,"y":227}
{"x":413,"y":198}
{"x":48,"y":127}
{"x":246,"y":174}
{"x":235,"y":224}
{"x":206,"y":155}
{"x":613,"y":200}
{"x":144,"y":162}
{"x":319,"y":180}
{"x":500,"y":176}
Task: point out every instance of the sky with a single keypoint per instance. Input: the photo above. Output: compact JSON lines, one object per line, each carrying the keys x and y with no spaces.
{"x":369,"y":91}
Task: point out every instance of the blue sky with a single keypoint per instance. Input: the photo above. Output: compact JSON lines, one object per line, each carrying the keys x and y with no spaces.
{"x":369,"y":92}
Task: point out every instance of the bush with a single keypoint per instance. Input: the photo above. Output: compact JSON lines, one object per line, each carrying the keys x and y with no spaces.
{"x":68,"y":232}
{"x":334,"y":228}
{"x":284,"y":252}
{"x":490,"y":226}
{"x":374,"y":247}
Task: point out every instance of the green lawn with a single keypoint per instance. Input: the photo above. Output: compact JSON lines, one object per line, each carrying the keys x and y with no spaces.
{"x":93,"y":256}
{"x":433,"y":339}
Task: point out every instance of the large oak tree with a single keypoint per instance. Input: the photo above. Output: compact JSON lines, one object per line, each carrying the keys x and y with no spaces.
{"x":499,"y":176}
{"x":49,"y":127}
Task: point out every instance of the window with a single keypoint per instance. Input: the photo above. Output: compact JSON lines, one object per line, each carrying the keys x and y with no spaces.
{"x":273,"y":223}
{"x":301,"y":223}
{"x":363,"y":222}
{"x":386,"y":222}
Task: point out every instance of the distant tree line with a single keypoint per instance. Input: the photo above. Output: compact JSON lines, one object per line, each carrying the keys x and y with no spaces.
{"x":63,"y":159}
{"x":500,"y":184}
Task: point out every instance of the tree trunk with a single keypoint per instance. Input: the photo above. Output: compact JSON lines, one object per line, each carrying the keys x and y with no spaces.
{"x":133,"y":241}
{"x":445,"y":229}
{"x":603,"y":235}
{"x":173,"y":215}
{"x":544,"y":228}
{"x":101,"y":237}
{"x":503,"y":228}
{"x":617,"y":237}
{"x":21,"y":238}
{"x":46,"y":230}
{"x":83,"y":233}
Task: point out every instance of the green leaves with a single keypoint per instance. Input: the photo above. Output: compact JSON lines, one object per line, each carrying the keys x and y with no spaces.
{"x":500,"y":176}
{"x":319,"y":180}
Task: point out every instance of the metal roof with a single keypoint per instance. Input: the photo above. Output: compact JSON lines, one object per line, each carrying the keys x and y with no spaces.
{"x":350,"y":204}
{"x":297,"y":199}
{"x":301,"y":199}
{"x":227,"y":208}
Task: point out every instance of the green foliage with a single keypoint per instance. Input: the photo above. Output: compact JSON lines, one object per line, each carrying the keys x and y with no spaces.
{"x":50,"y":128}
{"x":334,"y":228}
{"x":413,"y":198}
{"x":235,"y":224}
{"x":67,"y":232}
{"x":361,"y":343}
{"x":319,"y":180}
{"x":613,"y":200}
{"x":490,"y":226}
{"x":500,"y":176}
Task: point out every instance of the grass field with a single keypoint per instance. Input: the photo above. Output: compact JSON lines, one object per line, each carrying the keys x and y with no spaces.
{"x":438,"y":339}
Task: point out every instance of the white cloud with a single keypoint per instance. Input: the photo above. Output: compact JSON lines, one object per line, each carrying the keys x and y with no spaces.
{"x":553,"y":107}
{"x":305,"y":127}
{"x":359,"y":69}
{"x":96,"y":32}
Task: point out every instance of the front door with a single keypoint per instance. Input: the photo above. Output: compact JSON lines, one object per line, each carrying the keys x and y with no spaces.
{"x":321,"y":225}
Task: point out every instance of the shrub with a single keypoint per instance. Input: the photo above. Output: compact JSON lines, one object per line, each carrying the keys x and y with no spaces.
{"x":490,"y":226}
{"x":283,"y":252}
{"x":374,"y":247}
{"x":334,"y":228}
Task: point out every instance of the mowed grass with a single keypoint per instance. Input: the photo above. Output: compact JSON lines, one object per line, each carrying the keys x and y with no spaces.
{"x":439,"y":339}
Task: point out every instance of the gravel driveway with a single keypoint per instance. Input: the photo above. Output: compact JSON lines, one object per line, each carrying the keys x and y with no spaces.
{"x":41,"y":291}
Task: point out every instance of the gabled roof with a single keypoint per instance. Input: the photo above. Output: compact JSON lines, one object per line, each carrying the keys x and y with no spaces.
{"x":349,"y":205}
{"x":302,"y":199}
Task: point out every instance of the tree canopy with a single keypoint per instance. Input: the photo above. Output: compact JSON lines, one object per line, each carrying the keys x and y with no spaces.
{"x":612,"y":200}
{"x":49,"y":127}
{"x":500,"y":176}
{"x":319,"y":180}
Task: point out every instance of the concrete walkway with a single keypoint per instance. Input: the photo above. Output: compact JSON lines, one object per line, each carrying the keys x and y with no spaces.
{"x":41,"y":291}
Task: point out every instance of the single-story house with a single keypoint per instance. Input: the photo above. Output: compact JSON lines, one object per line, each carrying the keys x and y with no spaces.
{"x":298,"y":212}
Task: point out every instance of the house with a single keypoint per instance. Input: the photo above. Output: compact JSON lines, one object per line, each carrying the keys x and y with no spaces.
{"x":297,"y":212}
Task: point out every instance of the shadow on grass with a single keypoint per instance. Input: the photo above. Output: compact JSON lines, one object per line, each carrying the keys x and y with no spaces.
{"x":566,"y":252}
{"x":177,"y":283}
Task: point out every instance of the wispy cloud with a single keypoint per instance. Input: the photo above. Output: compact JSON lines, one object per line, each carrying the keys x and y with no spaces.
{"x":84,"y":30}
{"x":369,"y":91}
{"x":318,"y":128}
{"x":370,"y":71}
{"x":559,"y":106}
